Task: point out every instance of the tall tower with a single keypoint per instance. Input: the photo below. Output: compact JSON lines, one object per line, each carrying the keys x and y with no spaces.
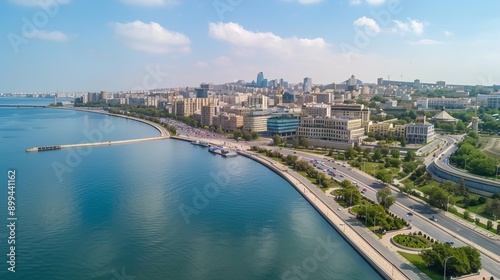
{"x":475,"y":119}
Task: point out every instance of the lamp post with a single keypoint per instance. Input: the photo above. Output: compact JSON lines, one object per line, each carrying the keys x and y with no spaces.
{"x":496,"y":175}
{"x":444,"y":272}
{"x":465,"y":164}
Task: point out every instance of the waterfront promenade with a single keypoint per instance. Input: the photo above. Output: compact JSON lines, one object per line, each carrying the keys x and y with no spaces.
{"x":388,"y":264}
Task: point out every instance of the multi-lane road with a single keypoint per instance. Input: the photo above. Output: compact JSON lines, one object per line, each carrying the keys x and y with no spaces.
{"x":444,"y":229}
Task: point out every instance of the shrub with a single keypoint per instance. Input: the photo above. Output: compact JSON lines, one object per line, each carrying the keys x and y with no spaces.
{"x":482,"y":200}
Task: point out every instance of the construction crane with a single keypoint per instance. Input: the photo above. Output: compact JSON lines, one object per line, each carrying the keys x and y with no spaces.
{"x":389,"y":77}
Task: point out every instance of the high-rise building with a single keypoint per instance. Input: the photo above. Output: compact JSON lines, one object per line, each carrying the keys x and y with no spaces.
{"x":307,"y":85}
{"x":207,"y":114}
{"x":260,"y":79}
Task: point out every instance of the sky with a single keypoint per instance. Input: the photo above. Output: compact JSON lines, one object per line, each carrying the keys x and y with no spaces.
{"x":120,"y":45}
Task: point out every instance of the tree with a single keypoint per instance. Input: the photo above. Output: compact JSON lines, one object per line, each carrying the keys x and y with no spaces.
{"x":366,"y":153}
{"x":255,"y":135}
{"x":237,"y":134}
{"x":395,"y":153}
{"x":385,"y":151}
{"x":438,"y":198}
{"x":377,"y":155}
{"x":304,"y":142}
{"x":295,"y":143}
{"x":277,"y":140}
{"x":385,"y":198}
{"x":410,"y":156}
{"x":384,"y":176}
{"x":219,"y":131}
{"x":402,"y":141}
{"x":493,"y":207}
{"x":350,"y":153}
{"x":460,"y":126}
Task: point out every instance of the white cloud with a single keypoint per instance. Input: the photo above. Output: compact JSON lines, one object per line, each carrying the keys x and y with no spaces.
{"x":375,"y":2}
{"x":151,"y":3}
{"x":411,"y":26}
{"x":355,"y":2}
{"x":36,"y":3}
{"x":238,"y":36}
{"x":55,"y":36}
{"x":369,"y":23}
{"x":425,"y":42}
{"x":151,"y":38}
{"x":447,"y":33}
{"x":201,"y":64}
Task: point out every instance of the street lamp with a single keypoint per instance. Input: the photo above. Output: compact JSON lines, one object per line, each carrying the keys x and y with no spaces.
{"x":465,"y":164}
{"x":366,"y":213}
{"x":496,"y":175}
{"x":444,"y":272}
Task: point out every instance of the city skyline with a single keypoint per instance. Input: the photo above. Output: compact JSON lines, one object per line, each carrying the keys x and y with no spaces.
{"x":70,"y":46}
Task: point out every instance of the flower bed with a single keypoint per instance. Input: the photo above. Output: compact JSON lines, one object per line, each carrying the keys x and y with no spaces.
{"x":412,"y":241}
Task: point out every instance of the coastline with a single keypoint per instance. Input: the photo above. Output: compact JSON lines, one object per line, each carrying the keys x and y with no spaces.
{"x":375,"y":258}
{"x":163,"y":131}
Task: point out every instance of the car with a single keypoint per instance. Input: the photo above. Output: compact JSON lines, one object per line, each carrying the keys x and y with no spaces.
{"x":451,"y":243}
{"x":354,"y":183}
{"x":343,"y":165}
{"x":434,"y":219}
{"x":294,"y":152}
{"x":409,"y":214}
{"x":335,"y":168}
{"x":325,"y":170}
{"x":349,"y":168}
{"x":341,"y":175}
{"x":364,"y":189}
{"x":340,"y":209}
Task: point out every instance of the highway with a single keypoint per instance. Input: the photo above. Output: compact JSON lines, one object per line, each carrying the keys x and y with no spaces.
{"x":443,"y":230}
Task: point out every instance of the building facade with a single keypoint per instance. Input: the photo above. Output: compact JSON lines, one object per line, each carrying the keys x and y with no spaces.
{"x":335,"y":129}
{"x":283,"y":126}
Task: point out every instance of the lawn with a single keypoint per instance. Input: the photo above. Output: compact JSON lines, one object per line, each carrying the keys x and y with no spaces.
{"x":417,"y":261}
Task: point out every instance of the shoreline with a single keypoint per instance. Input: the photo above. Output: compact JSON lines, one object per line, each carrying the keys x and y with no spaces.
{"x":375,"y":258}
{"x":164,"y":134}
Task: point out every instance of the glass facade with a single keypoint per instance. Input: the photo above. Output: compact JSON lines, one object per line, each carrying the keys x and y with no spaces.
{"x":283,"y":126}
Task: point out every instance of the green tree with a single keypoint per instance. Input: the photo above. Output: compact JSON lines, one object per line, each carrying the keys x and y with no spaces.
{"x":385,"y":151}
{"x":384,"y":176}
{"x":460,"y":126}
{"x":395,"y":153}
{"x":255,"y":135}
{"x":438,"y":198}
{"x":402,"y":141}
{"x":350,"y":153}
{"x":493,"y":207}
{"x":277,"y":140}
{"x":385,"y":198}
{"x":219,"y":131}
{"x":377,"y":154}
{"x":304,"y":142}
{"x":295,"y":143}
{"x":410,"y":156}
{"x":366,"y":153}
{"x":237,"y":134}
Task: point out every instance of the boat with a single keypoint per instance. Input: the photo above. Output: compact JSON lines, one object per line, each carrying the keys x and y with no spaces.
{"x":200,"y":143}
{"x":225,"y":152}
{"x":30,"y":150}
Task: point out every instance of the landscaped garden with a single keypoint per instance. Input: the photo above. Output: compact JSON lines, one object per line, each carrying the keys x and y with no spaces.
{"x":415,"y":240}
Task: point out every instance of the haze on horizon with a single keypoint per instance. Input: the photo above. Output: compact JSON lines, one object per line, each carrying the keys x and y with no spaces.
{"x":75,"y":45}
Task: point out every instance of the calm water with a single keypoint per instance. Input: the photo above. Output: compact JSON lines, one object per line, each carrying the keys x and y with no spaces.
{"x":155,"y":210}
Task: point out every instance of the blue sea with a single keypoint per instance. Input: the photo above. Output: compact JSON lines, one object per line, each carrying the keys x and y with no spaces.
{"x":153,"y":210}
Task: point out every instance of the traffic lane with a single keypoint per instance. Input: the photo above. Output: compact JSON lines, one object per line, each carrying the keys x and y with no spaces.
{"x":408,"y":202}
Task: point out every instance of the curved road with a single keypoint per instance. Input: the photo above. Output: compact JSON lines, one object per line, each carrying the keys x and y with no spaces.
{"x":452,"y":231}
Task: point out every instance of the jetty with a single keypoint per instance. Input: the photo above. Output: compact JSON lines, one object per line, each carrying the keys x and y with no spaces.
{"x":222,"y":151}
{"x":96,"y":144}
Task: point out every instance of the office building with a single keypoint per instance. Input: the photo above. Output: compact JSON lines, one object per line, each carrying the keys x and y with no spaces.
{"x":284,"y":126}
{"x":307,"y":85}
{"x":331,"y":132}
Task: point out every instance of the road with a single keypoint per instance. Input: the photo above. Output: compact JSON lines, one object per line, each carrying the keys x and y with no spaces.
{"x":423,"y":211}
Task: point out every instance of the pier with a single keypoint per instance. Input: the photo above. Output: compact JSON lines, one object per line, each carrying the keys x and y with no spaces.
{"x":164,"y":134}
{"x":21,"y":106}
{"x":96,"y":144}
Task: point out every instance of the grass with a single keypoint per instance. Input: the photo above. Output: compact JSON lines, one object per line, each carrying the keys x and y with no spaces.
{"x":460,"y":215}
{"x":417,"y":261}
{"x":412,"y":241}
